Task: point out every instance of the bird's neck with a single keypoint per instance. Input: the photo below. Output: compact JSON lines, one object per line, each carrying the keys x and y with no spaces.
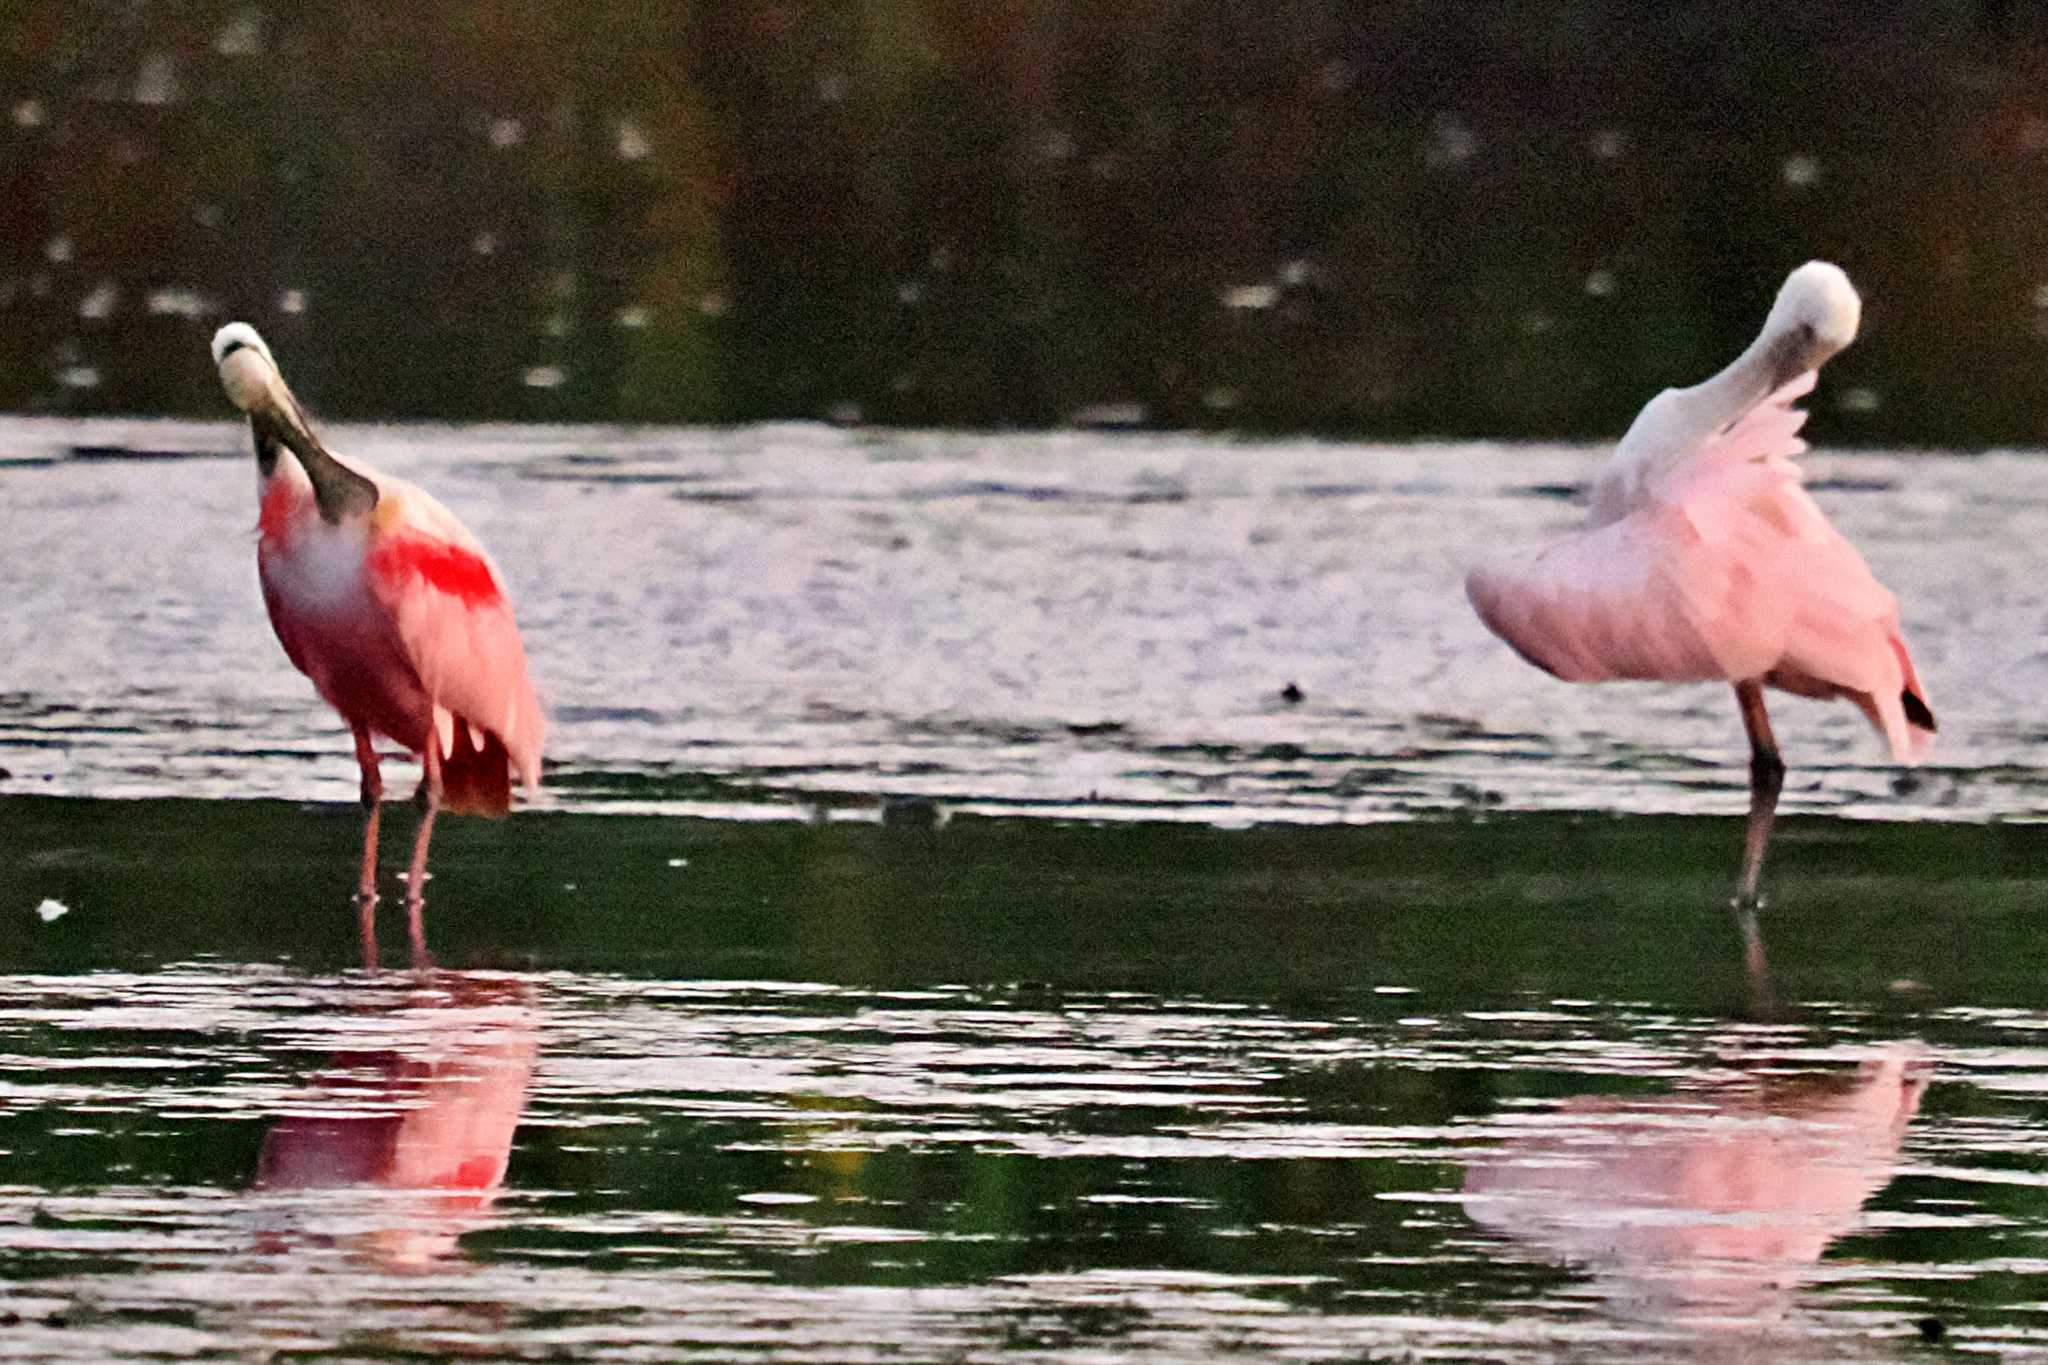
{"x":339,"y":491}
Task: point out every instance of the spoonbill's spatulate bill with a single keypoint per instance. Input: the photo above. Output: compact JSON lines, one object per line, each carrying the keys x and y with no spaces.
{"x":1706,"y":559}
{"x":391,"y":607}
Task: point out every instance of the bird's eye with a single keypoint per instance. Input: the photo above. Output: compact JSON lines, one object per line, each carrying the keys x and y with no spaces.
{"x":236,"y":345}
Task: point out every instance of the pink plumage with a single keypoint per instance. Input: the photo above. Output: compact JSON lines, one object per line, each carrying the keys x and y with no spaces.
{"x":1705,"y":559}
{"x":387,"y":602}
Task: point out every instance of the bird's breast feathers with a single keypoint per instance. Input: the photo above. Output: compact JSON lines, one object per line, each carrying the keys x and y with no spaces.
{"x":310,"y":565}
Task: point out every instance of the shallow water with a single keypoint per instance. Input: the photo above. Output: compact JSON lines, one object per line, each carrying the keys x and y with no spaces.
{"x":1491,"y":1090}
{"x":765,"y":620}
{"x":1402,"y":1023}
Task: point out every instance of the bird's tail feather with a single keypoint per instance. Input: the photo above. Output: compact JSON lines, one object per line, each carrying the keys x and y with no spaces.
{"x":476,"y":779}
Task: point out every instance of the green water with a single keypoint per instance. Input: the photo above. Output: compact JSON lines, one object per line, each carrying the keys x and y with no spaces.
{"x":1496,"y":1088}
{"x":1620,"y":907}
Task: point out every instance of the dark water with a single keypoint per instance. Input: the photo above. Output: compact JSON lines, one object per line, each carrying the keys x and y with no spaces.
{"x":1045,"y":985}
{"x":1493,"y":1089}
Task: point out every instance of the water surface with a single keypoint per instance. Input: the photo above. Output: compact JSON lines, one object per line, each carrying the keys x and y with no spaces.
{"x":774,"y":620}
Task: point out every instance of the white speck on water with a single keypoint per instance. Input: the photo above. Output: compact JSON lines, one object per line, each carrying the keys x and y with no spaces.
{"x":58,"y":249}
{"x":1609,"y":143}
{"x":678,"y":862}
{"x":79,"y":377}
{"x":484,"y":243}
{"x":633,"y":142}
{"x":634,"y":316}
{"x":507,"y":132}
{"x":1600,"y":283}
{"x":52,"y":909}
{"x":1860,"y":400}
{"x":292,"y":301}
{"x":29,"y":114}
{"x":1393,"y":990}
{"x":777,"y":1197}
{"x":544,"y":377}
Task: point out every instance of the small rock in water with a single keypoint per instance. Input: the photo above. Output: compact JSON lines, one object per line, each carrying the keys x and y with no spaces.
{"x":913,"y":812}
{"x":1292,"y":694}
{"x":1932,"y":1329}
{"x":52,"y":910}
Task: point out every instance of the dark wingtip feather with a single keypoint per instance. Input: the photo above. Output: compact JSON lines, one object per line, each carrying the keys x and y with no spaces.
{"x":1917,"y":713}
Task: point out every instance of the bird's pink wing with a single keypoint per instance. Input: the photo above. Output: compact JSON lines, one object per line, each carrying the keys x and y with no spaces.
{"x":455,"y":623}
{"x":1726,"y":569}
{"x":1667,"y":593}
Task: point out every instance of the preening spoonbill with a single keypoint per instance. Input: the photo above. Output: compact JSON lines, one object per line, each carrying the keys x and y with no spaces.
{"x":1707,"y":560}
{"x":392,"y":608}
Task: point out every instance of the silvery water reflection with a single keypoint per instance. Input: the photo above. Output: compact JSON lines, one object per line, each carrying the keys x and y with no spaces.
{"x":1711,"y":1205}
{"x":418,"y":1133}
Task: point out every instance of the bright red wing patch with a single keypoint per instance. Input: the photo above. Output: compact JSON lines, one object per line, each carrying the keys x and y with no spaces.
{"x":450,"y":568}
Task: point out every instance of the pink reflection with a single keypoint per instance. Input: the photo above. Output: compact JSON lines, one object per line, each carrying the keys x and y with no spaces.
{"x":1715,"y":1203}
{"x":433,"y":1119}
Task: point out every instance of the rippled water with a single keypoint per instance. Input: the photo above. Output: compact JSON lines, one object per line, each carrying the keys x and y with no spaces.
{"x":764,"y":619}
{"x":244,"y":1160}
{"x":1237,"y":1065}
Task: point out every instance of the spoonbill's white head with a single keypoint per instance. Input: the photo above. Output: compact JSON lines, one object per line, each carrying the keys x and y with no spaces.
{"x":247,"y":369}
{"x":249,"y":373}
{"x":1817,"y":314}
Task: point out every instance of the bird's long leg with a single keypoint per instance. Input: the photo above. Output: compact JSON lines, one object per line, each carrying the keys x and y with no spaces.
{"x":372,"y":795}
{"x":1766,"y":779}
{"x":429,"y":802}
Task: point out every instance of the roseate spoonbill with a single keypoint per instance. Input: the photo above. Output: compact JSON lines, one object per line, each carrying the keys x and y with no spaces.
{"x":1707,"y":560}
{"x":392,"y":608}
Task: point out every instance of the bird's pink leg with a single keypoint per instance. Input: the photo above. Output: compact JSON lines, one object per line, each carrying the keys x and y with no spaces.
{"x":372,"y":792}
{"x":366,"y":881}
{"x":428,"y":798}
{"x":1766,"y":779}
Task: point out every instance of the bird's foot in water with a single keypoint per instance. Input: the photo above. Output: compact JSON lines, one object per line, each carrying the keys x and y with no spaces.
{"x":1747,"y":902}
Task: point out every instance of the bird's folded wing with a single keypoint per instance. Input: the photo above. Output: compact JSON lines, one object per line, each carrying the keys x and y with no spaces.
{"x":456,"y":626}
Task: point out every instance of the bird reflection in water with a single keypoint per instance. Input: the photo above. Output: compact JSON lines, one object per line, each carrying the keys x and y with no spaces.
{"x":1710,"y":1206}
{"x":429,"y":1119}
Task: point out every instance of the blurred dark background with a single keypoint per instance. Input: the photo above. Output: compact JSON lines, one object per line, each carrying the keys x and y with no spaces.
{"x":1512,"y":218}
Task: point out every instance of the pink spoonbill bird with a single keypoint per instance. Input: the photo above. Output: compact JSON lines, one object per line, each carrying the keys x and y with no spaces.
{"x":1706,"y":560}
{"x":392,"y":608}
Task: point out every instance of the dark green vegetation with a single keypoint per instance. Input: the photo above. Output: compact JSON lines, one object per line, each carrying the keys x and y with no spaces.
{"x":1594,"y":906}
{"x":1505,"y":218}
